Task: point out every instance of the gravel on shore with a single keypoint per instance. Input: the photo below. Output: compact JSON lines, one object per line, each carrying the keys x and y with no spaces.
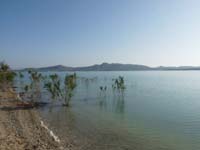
{"x":20,"y":128}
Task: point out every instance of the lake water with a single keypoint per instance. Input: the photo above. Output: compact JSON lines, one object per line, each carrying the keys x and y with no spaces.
{"x":159,"y":110}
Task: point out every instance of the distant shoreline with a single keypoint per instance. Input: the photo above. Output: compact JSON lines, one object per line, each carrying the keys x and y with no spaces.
{"x":112,"y":67}
{"x":107,"y":70}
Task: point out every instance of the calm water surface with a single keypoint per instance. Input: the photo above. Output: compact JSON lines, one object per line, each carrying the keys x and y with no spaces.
{"x":159,"y":110}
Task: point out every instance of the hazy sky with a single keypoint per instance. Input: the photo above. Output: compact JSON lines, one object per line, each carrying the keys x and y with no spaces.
{"x":37,"y":33}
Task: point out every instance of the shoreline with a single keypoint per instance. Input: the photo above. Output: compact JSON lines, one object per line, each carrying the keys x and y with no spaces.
{"x":23,"y":129}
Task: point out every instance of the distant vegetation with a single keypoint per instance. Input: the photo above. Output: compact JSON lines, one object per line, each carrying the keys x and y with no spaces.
{"x":118,"y":86}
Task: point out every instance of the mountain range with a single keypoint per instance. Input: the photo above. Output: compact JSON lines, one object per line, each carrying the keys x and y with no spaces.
{"x":111,"y":67}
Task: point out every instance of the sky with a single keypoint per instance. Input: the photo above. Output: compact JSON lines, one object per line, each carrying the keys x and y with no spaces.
{"x":37,"y":33}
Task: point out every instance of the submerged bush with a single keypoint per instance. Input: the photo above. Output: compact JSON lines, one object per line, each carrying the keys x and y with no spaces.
{"x":20,"y":74}
{"x":33,"y":89}
{"x":53,"y":86}
{"x":70,"y":85}
{"x":60,"y":91}
{"x":119,"y":84}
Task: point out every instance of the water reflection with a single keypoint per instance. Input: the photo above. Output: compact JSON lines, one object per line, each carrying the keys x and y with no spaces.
{"x":115,"y":104}
{"x":119,"y":103}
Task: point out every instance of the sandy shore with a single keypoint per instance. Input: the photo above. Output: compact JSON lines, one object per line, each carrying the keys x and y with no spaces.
{"x":21,"y":129}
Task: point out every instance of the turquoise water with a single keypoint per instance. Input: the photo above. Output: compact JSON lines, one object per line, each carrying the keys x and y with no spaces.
{"x":158,"y":110}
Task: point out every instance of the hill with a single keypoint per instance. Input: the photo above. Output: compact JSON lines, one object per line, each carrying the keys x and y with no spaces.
{"x":111,"y":67}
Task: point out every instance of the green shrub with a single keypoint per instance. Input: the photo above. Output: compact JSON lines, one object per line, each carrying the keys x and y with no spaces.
{"x":53,"y":86}
{"x":6,"y":76}
{"x":33,"y":90}
{"x":119,"y":84}
{"x":59,"y":92}
{"x":70,"y":85}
